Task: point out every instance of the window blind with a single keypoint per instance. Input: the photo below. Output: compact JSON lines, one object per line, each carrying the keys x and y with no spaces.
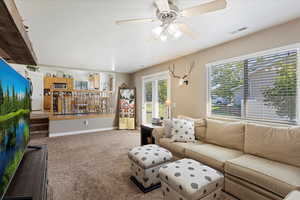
{"x":262,"y":88}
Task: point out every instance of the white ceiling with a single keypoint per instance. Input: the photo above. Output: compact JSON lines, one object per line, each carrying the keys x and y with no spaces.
{"x":82,"y":33}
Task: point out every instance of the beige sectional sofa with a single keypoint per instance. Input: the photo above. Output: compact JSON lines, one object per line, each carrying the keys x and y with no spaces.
{"x":260,"y":162}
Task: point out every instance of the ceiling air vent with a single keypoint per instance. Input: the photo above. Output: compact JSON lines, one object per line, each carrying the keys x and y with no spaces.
{"x":239,"y":30}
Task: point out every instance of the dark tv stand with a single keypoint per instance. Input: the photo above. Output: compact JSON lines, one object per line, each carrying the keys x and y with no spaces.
{"x":17,"y":198}
{"x":34,"y":147}
{"x":30,"y":181}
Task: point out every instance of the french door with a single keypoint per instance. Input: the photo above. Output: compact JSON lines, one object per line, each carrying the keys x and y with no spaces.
{"x":156,"y":92}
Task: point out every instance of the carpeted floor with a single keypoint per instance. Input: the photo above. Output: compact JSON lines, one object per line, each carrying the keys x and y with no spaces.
{"x":93,"y":167}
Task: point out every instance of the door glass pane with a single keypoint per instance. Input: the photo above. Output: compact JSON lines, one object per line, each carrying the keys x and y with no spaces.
{"x":148,"y":101}
{"x":162,"y":93}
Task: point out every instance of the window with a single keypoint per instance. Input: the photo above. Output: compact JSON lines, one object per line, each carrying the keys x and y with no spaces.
{"x":155,"y":94}
{"x":262,"y":88}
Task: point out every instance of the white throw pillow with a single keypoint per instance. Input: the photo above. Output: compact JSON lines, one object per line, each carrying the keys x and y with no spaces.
{"x":183,"y":130}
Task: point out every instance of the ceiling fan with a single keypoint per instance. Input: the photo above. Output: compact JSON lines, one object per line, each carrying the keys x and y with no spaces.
{"x":168,"y":14}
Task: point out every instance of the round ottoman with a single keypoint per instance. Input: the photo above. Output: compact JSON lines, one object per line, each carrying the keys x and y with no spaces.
{"x":188,"y":179}
{"x":145,"y":162}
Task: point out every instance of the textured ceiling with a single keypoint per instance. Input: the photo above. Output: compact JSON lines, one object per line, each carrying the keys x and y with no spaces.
{"x":82,"y":33}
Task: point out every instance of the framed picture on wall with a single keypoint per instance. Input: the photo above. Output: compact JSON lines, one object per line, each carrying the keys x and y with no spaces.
{"x":127,"y":107}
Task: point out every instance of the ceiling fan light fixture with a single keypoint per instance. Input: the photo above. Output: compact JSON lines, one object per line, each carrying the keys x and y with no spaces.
{"x":163,"y":37}
{"x":168,"y":13}
{"x":172,"y":29}
{"x":177,"y":35}
{"x":157,"y":31}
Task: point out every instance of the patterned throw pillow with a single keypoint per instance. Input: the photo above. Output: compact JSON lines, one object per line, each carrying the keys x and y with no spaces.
{"x":183,"y":130}
{"x":168,"y":128}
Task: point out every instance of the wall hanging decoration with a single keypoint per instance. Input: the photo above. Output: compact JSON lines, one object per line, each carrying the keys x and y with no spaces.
{"x":183,"y":80}
{"x":127,"y":107}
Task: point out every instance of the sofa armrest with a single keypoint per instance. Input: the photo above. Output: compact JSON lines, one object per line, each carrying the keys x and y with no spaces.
{"x":295,"y":195}
{"x":158,"y":133}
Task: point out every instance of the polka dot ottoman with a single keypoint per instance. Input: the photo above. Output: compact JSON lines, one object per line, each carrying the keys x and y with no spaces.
{"x":188,"y":179}
{"x":145,"y":163}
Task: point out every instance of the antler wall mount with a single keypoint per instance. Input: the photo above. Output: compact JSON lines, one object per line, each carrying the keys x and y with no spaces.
{"x":183,"y":80}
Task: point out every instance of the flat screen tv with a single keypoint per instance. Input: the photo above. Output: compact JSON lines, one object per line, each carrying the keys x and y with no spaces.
{"x":14,"y":122}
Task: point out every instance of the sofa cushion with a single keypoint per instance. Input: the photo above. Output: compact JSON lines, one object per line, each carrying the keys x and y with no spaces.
{"x":200,"y":133}
{"x":247,"y":191}
{"x":295,"y":195}
{"x":177,"y":148}
{"x":183,"y":130}
{"x":224,"y":133}
{"x":212,"y":155}
{"x":276,"y":143}
{"x":273,"y":176}
{"x":168,"y":143}
{"x":200,"y":126}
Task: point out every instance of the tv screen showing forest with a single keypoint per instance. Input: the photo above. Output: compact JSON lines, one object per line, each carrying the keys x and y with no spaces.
{"x":14,"y":122}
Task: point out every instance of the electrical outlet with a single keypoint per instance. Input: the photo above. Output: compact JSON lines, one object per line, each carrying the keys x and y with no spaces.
{"x":86,"y":123}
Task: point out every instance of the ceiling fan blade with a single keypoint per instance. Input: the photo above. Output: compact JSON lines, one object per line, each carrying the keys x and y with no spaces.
{"x":136,"y":20}
{"x":204,"y":8}
{"x":187,"y":31}
{"x":162,"y":5}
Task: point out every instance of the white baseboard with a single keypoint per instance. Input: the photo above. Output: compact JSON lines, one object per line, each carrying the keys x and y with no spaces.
{"x":81,"y":132}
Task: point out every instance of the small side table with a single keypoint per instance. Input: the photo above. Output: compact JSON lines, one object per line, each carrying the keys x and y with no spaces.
{"x":146,"y":134}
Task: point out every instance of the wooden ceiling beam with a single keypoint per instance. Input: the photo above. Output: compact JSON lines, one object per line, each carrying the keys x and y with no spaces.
{"x":15,"y":45}
{"x":5,"y":56}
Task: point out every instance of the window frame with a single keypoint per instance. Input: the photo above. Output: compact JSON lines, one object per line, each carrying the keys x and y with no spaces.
{"x":293,"y":47}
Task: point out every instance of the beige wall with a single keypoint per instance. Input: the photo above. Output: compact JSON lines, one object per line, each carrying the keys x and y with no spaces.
{"x":191,"y":100}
